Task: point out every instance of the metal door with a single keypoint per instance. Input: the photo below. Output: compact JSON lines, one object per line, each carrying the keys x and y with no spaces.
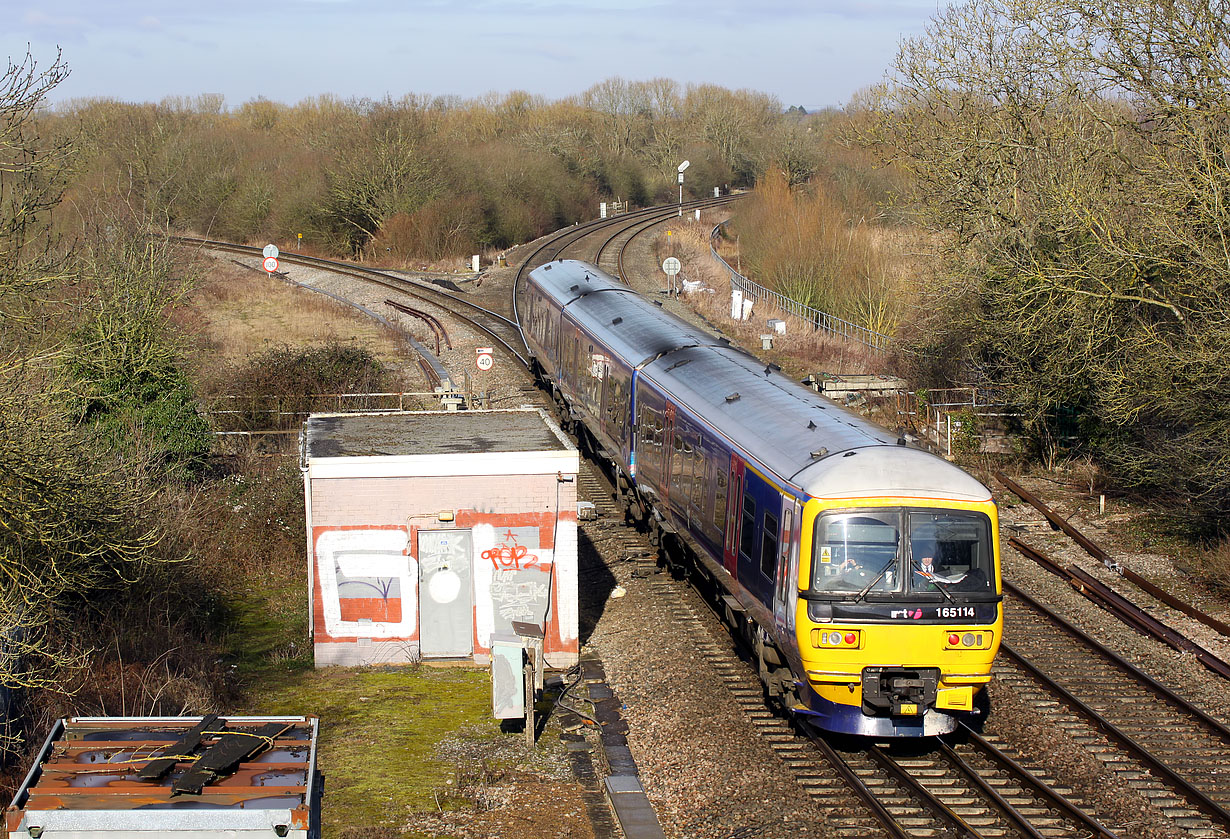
{"x":446,"y":612}
{"x":668,"y":454}
{"x":734,"y":507}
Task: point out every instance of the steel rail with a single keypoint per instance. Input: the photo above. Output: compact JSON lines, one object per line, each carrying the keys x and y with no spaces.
{"x":1158,"y":689}
{"x":915,"y":786}
{"x":1125,"y":740}
{"x":1097,"y":552}
{"x":1124,"y":609}
{"x":1039,"y":786}
{"x":864,"y":793}
{"x":432,"y":321}
{"x":1014,"y":815}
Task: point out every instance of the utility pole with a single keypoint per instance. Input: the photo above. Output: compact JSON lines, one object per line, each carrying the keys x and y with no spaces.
{"x":682,"y":166}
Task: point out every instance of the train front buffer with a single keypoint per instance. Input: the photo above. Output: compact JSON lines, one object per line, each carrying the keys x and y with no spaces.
{"x":895,"y":663}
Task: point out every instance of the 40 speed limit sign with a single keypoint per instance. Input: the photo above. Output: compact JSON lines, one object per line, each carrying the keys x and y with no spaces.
{"x":485,"y":361}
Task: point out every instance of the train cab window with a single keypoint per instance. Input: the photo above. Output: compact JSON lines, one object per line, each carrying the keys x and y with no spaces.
{"x":768,"y":546}
{"x":857,"y":551}
{"x":747,"y":534}
{"x":951,"y":551}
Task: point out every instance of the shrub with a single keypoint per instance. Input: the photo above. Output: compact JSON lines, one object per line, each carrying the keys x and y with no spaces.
{"x":277,"y":388}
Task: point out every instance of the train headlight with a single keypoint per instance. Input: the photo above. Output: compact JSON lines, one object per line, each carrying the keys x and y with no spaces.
{"x":975,"y":640}
{"x":828,"y":639}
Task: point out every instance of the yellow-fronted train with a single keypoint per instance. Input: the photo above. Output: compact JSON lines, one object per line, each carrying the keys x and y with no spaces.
{"x":862,"y":571}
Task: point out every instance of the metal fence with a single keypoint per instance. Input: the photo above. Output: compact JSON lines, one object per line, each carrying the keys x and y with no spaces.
{"x":818,"y":320}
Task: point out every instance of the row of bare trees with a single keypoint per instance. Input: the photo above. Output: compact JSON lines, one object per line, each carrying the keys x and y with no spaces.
{"x":420,"y":176}
{"x":1073,"y":158}
{"x":96,"y":414}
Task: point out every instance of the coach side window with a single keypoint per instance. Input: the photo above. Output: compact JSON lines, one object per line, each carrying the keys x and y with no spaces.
{"x":689,"y":466}
{"x":747,"y":535}
{"x":676,"y":463}
{"x":768,"y":546}
{"x":719,"y":501}
{"x":700,"y":482}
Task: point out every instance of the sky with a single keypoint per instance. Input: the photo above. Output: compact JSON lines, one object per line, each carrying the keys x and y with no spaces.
{"x":814,"y":54}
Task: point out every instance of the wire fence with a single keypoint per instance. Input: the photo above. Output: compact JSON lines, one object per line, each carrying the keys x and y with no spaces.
{"x":818,"y":320}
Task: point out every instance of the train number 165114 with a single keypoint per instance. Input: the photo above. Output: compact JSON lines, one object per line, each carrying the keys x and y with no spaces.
{"x":954,"y":612}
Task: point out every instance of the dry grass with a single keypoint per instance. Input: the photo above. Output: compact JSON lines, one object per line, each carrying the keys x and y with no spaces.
{"x":1213,"y":565}
{"x":800,"y":351}
{"x":237,"y":313}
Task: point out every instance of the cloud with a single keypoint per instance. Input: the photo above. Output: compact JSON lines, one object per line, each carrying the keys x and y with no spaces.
{"x":38,"y":18}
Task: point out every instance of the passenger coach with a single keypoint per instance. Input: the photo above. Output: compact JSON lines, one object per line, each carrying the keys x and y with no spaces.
{"x":864,"y":572}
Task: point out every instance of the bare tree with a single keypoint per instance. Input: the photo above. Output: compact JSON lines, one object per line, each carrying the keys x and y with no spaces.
{"x":1073,"y":154}
{"x":31,"y":182}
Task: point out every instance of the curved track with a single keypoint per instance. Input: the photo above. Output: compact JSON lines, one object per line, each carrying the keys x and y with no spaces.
{"x":496,"y":325}
{"x":617,"y":233}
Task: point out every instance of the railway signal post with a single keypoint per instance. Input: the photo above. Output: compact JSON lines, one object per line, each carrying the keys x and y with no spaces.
{"x":682,"y":166}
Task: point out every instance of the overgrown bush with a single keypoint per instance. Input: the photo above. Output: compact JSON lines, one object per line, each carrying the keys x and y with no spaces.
{"x":802,"y":243}
{"x":277,"y":388}
{"x":125,"y":359}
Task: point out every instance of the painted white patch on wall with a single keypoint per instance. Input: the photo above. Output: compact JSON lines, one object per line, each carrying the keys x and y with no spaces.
{"x":366,"y":553}
{"x":566,"y":578}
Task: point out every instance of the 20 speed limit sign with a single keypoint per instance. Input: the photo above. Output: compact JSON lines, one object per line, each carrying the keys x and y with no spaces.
{"x":271,"y":264}
{"x":485,"y":361}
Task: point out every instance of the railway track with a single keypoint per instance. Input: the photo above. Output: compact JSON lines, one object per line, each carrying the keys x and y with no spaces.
{"x":973,"y":786}
{"x":1176,"y":755}
{"x":617,"y":234}
{"x":497,"y":326}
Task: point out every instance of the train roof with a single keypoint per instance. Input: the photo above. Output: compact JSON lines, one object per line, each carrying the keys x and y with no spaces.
{"x":825,"y":450}
{"x":778,"y":422}
{"x":602,"y":306}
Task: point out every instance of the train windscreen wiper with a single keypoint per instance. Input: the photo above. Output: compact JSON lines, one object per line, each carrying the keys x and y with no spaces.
{"x":939,"y":583}
{"x":858,"y":597}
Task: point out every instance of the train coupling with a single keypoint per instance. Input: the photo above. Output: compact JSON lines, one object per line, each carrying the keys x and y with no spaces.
{"x":901,"y":691}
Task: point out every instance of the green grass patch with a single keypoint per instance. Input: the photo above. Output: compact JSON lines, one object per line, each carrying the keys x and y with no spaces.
{"x":380,"y":733}
{"x":267,"y":629}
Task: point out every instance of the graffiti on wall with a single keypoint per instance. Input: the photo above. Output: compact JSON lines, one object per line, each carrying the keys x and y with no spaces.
{"x":516,"y":572}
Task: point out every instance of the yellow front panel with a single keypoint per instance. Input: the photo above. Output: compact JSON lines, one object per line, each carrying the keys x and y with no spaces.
{"x":834,"y":670}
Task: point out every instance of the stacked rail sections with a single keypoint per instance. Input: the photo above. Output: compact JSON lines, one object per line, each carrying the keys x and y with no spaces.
{"x":166,"y":776}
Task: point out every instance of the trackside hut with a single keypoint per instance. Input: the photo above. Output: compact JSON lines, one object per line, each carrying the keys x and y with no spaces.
{"x":429,"y":531}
